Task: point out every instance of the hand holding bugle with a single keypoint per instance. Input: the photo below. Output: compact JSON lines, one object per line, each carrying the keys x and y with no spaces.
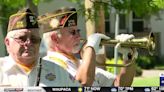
{"x":144,"y":43}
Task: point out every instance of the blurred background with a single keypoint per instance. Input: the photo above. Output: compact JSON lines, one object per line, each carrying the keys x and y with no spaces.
{"x":111,"y":17}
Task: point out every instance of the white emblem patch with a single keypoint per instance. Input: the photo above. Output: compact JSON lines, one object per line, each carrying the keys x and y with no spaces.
{"x":54,"y":23}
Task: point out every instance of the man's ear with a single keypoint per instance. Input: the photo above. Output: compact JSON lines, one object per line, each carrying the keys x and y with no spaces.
{"x":7,"y":42}
{"x":54,"y":38}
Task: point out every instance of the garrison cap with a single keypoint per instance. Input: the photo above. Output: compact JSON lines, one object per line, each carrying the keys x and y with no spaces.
{"x":65,"y":17}
{"x":23,"y":19}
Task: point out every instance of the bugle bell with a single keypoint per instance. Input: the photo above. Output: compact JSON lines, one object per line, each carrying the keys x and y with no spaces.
{"x":147,"y":42}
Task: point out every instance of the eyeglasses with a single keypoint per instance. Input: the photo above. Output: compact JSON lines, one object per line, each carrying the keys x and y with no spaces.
{"x":23,"y":39}
{"x":74,"y":32}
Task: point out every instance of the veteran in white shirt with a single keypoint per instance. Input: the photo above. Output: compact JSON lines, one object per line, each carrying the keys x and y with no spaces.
{"x":62,"y":37}
{"x":23,"y":67}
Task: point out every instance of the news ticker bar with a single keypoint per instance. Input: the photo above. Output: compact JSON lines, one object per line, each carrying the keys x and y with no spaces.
{"x":83,"y":89}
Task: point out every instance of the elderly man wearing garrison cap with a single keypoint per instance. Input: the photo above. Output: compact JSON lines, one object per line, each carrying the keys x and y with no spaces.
{"x":62,"y":39}
{"x":23,"y":67}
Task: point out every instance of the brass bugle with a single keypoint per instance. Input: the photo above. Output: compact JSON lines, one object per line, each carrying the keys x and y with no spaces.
{"x":147,"y":42}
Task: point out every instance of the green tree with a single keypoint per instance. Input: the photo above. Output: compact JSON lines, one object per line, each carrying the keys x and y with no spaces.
{"x":139,"y":7}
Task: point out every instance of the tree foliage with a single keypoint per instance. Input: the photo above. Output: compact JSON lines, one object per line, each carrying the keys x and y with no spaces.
{"x":139,"y":7}
{"x":7,"y":7}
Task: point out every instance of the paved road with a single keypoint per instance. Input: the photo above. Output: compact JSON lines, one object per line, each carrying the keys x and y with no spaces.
{"x":151,"y":73}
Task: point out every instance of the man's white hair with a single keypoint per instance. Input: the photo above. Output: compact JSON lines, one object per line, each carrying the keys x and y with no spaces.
{"x":11,"y":33}
{"x":47,"y":38}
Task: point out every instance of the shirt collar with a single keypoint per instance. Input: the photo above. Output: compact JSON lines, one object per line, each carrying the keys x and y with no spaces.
{"x":10,"y":63}
{"x":56,"y":54}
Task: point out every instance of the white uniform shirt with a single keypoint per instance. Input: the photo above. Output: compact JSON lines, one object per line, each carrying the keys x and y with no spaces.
{"x":102,"y":77}
{"x":51,"y":75}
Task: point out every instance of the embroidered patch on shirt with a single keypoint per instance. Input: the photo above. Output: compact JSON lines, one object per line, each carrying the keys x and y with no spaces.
{"x":50,"y":76}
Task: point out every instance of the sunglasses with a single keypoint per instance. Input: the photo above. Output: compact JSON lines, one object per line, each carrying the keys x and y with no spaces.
{"x":23,"y":39}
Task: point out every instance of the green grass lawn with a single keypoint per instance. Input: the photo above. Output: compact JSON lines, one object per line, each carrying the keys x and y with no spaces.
{"x":139,"y":81}
{"x":149,"y":81}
